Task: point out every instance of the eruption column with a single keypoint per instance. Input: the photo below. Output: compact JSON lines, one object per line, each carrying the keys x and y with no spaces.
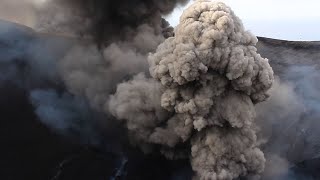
{"x":211,"y":76}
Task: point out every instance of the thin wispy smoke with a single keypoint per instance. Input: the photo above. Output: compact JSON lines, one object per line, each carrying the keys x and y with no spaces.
{"x":65,"y":114}
{"x":289,"y":120}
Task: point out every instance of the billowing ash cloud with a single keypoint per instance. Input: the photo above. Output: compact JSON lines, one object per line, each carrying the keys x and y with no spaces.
{"x":208,"y":78}
{"x":195,"y":99}
{"x":191,"y":93}
{"x":105,"y":20}
{"x":126,"y":31}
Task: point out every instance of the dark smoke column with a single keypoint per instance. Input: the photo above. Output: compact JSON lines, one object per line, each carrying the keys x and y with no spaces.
{"x":213,"y":76}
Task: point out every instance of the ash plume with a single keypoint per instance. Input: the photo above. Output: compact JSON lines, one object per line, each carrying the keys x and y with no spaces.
{"x":125,"y":32}
{"x":211,"y":77}
{"x":188,"y":93}
{"x":105,"y":20}
{"x":196,"y":99}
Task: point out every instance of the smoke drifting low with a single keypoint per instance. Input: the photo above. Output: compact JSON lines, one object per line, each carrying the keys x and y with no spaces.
{"x":65,"y":114}
{"x":289,"y":122}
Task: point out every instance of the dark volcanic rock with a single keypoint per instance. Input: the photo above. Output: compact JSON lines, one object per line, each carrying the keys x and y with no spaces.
{"x":29,"y":150}
{"x":283,"y":54}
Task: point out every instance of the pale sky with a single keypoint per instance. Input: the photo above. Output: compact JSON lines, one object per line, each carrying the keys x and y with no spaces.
{"x":280,"y":19}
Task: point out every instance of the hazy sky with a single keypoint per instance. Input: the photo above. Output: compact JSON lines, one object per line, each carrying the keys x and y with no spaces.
{"x":281,"y":19}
